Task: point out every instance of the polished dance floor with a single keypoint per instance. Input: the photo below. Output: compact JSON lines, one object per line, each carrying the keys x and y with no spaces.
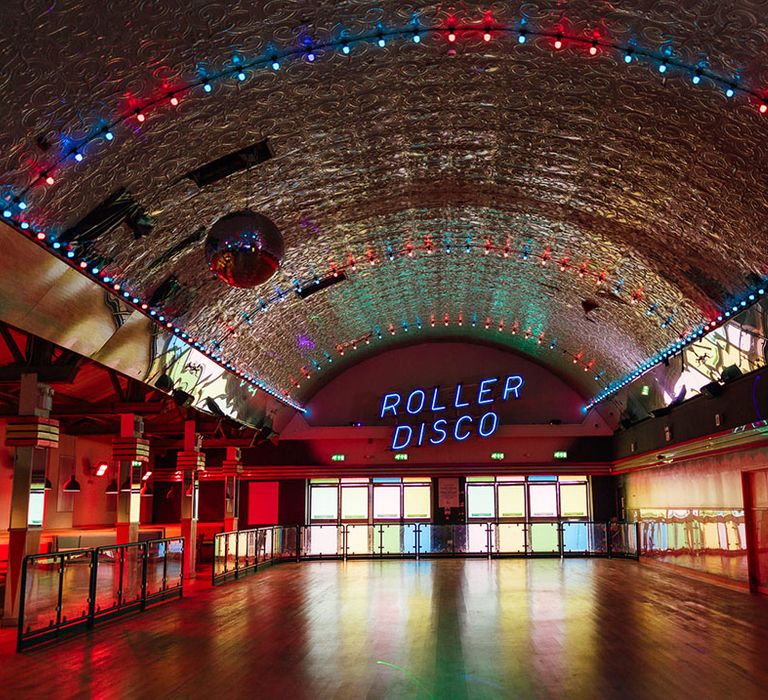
{"x":431,"y":629}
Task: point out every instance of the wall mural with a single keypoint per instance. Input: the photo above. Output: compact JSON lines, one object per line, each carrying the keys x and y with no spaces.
{"x":741,"y":342}
{"x":202,"y":378}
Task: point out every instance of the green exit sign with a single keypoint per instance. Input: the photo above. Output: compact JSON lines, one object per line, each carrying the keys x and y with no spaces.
{"x":337,"y":458}
{"x":561,"y":454}
{"x":401,"y":456}
{"x":497,"y":455}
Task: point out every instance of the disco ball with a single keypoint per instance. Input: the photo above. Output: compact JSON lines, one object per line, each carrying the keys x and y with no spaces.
{"x":244,"y":249}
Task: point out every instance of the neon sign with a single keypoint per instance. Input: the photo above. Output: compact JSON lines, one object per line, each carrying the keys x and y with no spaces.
{"x":435,"y":400}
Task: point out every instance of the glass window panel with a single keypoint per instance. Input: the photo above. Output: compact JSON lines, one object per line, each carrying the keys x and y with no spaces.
{"x":542,"y":500}
{"x":355,"y":480}
{"x":512,"y":501}
{"x":418,"y":501}
{"x":573,"y":501}
{"x":480,"y":501}
{"x":510,"y":537}
{"x":567,"y":477}
{"x":510,"y":478}
{"x":386,"y":503}
{"x":324,"y":503}
{"x":417,"y":480}
{"x":544,"y":537}
{"x":324,"y":481}
{"x":386,"y":479}
{"x":542,"y":478}
{"x":480,"y":478}
{"x":354,"y":503}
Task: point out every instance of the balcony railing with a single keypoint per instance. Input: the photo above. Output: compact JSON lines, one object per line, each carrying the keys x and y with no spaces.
{"x":238,"y":552}
{"x":63,"y":592}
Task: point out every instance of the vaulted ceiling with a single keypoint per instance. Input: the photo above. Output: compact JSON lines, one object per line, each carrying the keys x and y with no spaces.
{"x":585,"y":204}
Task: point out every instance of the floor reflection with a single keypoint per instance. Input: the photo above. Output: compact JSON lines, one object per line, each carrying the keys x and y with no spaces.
{"x":468,"y":628}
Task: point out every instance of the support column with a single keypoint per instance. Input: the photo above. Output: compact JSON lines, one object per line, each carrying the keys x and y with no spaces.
{"x":190,"y":460}
{"x":31,"y":431}
{"x":129,"y":451}
{"x":232,"y":470}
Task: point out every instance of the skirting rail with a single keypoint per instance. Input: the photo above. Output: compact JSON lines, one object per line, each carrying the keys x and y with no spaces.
{"x":241,"y":551}
{"x":70,"y":591}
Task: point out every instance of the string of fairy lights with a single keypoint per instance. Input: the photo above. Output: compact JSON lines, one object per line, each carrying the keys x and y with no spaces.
{"x":434,"y":320}
{"x":15,"y":203}
{"x":545,"y":257}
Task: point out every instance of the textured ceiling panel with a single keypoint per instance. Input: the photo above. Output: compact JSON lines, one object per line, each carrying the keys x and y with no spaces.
{"x":506,"y":155}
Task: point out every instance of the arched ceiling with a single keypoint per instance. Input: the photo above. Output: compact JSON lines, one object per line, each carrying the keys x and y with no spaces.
{"x":504,"y":180}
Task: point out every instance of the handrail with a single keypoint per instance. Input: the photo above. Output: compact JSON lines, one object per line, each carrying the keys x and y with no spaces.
{"x":237,"y":552}
{"x":96,"y":583}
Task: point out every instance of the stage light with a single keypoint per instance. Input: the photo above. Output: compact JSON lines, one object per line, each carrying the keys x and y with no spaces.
{"x":101,"y":468}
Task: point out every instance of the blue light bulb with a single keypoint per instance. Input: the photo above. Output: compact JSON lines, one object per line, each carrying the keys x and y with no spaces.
{"x":109,"y":135}
{"x":207,"y":87}
{"x":416,"y":38}
{"x":662,"y":68}
{"x":521,"y":38}
{"x":729,"y":92}
{"x":345,"y":49}
{"x":696,"y":79}
{"x":381,"y":42}
{"x":241,"y":76}
{"x":628,"y":57}
{"x":22,"y":205}
{"x":7,"y":213}
{"x":310,"y":56}
{"x":24,"y":225}
{"x":78,"y":157}
{"x":275,"y":65}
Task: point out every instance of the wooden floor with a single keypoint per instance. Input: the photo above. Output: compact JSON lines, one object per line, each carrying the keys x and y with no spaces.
{"x":430,"y":629}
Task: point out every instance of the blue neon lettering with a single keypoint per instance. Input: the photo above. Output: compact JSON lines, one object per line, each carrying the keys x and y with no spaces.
{"x":438,"y":428}
{"x":457,"y":401}
{"x":456,"y":428}
{"x":421,"y":435}
{"x":407,"y":428}
{"x":481,"y":422}
{"x":415,"y":392}
{"x":435,"y":409}
{"x":486,"y":390}
{"x":512,"y":386}
{"x":385,"y":407}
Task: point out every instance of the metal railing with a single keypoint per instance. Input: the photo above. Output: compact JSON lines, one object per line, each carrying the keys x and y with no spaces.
{"x":63,"y":592}
{"x":238,"y":552}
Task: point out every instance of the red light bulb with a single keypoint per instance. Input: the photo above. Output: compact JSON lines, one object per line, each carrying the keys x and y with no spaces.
{"x":174,"y":101}
{"x":763,"y":108}
{"x":140,"y":117}
{"x":49,"y":180}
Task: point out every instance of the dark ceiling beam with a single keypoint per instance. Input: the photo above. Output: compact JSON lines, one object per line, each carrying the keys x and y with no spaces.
{"x":48,"y":373}
{"x":116,"y":385}
{"x":143,"y":408}
{"x":10,"y":343}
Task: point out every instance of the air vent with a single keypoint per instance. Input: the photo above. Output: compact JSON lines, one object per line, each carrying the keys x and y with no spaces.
{"x":225,"y":166}
{"x":321,"y":284}
{"x":117,"y":209}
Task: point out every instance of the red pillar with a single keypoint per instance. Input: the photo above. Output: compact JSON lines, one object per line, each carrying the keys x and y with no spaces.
{"x":33,"y":430}
{"x":232,"y":469}
{"x":129,"y":451}
{"x":190,"y":460}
